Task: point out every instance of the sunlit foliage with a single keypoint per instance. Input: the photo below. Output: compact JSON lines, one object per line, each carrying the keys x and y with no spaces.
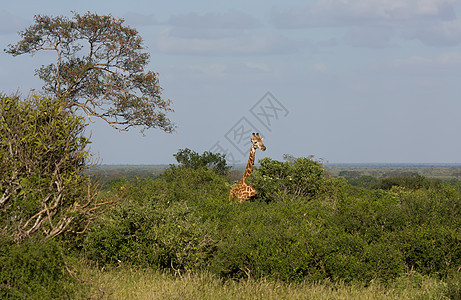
{"x":42,"y":155}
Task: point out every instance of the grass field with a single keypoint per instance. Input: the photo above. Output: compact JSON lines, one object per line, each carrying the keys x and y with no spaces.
{"x":129,"y":283}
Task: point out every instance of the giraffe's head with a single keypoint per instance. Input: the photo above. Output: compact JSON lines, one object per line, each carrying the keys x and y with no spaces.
{"x":257,"y":142}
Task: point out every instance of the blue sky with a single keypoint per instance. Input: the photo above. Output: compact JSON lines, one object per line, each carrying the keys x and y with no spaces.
{"x":348,"y":80}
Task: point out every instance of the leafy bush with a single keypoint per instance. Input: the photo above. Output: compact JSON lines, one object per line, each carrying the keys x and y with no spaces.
{"x":158,"y":236}
{"x":160,"y":224}
{"x":35,"y":270}
{"x":278,"y":181}
{"x":294,"y":241}
{"x":365,"y":181}
{"x":192,"y":160}
{"x":264,"y":241}
{"x":412,"y":182}
{"x":192,"y":185}
{"x":42,"y":155}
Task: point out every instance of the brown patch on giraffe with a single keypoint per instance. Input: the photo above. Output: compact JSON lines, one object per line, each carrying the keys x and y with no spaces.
{"x":242,"y":191}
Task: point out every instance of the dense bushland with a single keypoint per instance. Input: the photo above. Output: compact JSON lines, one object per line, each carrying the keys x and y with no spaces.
{"x":301,"y":226}
{"x":43,"y":194}
{"x":277,"y":181}
{"x":36,"y":269}
{"x":42,"y":155}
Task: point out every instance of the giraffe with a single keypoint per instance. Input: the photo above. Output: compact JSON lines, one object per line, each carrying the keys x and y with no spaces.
{"x":242,"y":190}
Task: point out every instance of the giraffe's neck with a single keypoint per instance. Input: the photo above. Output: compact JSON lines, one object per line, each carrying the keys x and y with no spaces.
{"x":249,"y":167}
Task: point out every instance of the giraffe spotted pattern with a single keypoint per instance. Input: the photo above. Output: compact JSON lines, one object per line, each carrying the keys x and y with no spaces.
{"x":242,"y":190}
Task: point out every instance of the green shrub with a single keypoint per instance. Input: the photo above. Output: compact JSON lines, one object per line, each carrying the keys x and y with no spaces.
{"x":264,"y":241}
{"x":413,"y":182}
{"x":295,"y":241}
{"x":152,"y":235}
{"x":42,"y":155}
{"x":365,"y":181}
{"x":161,"y":222}
{"x":35,"y":270}
{"x":190,"y":184}
{"x":368,"y":214}
{"x":429,"y":249}
{"x":277,"y":181}
{"x":421,"y":225}
{"x":215,"y":162}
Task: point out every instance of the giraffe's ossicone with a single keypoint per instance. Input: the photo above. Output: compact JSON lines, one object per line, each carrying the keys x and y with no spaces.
{"x":242,"y":190}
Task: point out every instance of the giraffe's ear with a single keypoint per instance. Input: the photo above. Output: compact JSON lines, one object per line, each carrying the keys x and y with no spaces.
{"x":262,"y":139}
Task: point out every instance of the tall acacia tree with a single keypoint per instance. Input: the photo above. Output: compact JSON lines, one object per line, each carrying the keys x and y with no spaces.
{"x":100,"y":69}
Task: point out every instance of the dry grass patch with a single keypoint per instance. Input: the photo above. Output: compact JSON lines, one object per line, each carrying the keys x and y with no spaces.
{"x":128,"y":283}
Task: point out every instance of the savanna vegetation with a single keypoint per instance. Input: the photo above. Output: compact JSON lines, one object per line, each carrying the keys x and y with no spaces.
{"x":305,"y":235}
{"x":173,"y":234}
{"x":301,"y":228}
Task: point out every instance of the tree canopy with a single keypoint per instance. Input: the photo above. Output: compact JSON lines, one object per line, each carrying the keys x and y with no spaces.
{"x":100,"y":68}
